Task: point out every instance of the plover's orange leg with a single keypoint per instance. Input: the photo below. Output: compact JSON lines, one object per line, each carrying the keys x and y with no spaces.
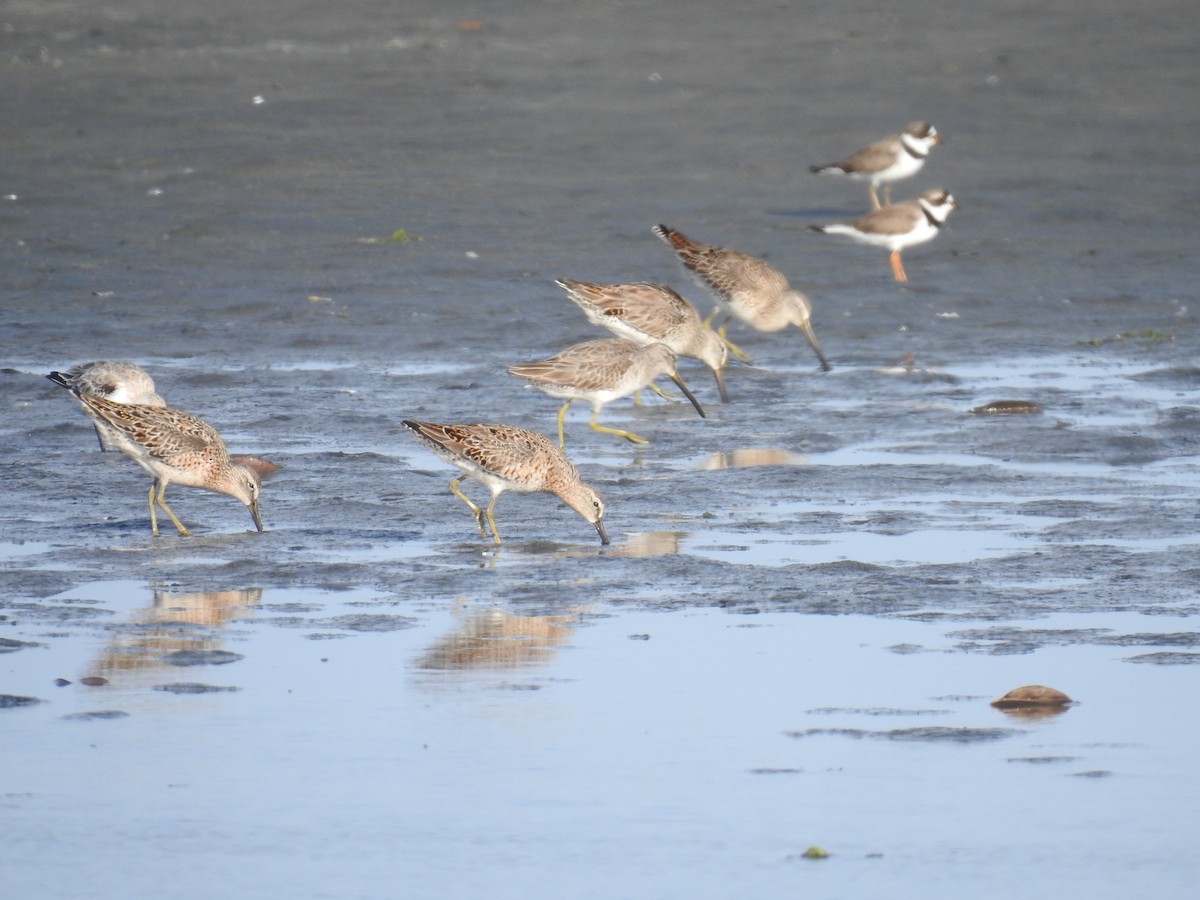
{"x":898,"y":267}
{"x":874,"y":196}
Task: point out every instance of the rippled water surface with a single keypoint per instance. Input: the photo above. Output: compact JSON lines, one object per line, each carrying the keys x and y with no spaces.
{"x":310,"y":221}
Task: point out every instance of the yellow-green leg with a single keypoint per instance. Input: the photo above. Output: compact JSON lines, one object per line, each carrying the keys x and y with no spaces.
{"x":163,"y":503}
{"x":733,"y":348}
{"x":153,"y":515}
{"x":491,"y":520}
{"x":562,"y":414}
{"x":628,"y":435}
{"x":637,"y":395}
{"x":465,"y":499}
{"x":654,"y":387}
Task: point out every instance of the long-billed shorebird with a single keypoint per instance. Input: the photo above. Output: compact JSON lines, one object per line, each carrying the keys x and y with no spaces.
{"x":116,"y":381}
{"x":899,"y":226}
{"x":648,"y":314}
{"x":600,"y":372}
{"x":888,"y":160}
{"x":173,"y":446}
{"x":507,"y":458}
{"x":746,"y":287}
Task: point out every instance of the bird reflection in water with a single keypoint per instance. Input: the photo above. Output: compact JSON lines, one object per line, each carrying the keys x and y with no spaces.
{"x":495,"y":639}
{"x":176,"y":620}
{"x":752,"y":456}
{"x":634,"y":544}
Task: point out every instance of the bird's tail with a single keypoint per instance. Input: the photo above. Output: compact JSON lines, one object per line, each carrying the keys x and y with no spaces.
{"x":62,"y":380}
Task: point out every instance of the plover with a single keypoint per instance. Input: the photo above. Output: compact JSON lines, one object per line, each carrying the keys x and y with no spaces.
{"x":898,"y":226}
{"x":888,"y":160}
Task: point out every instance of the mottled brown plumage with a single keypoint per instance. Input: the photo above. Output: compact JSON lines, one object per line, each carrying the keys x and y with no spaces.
{"x":600,"y":372}
{"x":651,"y":313}
{"x":508,"y":458}
{"x":748,"y":288}
{"x":115,"y":380}
{"x":173,"y":446}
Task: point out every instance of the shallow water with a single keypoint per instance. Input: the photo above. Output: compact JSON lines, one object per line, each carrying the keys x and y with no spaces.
{"x":812,"y":595}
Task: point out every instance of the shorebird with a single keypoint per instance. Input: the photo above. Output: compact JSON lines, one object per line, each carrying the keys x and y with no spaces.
{"x":746,"y":287}
{"x":899,"y":226}
{"x":174,"y":447}
{"x":651,"y":313}
{"x":507,"y":458}
{"x":119,"y":382}
{"x":888,"y":160}
{"x":600,"y":372}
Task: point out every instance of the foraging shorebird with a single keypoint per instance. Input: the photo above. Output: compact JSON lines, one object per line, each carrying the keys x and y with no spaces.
{"x":174,"y":447}
{"x":600,"y":372}
{"x":746,"y":287}
{"x":507,"y":458}
{"x":649,"y":314}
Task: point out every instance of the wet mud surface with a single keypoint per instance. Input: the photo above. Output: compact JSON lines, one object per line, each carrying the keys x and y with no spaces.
{"x":312,"y":222}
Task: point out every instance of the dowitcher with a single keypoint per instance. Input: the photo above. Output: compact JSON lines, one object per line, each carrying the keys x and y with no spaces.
{"x":120,"y":382}
{"x":888,"y":160}
{"x":746,"y":287}
{"x":651,"y":313}
{"x":899,"y":226}
{"x":600,"y":372}
{"x":507,"y":458}
{"x":175,"y":447}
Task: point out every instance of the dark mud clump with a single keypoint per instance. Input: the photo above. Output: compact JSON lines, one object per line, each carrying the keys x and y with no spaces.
{"x":96,"y":714}
{"x":201,"y":657}
{"x":8,"y":645}
{"x":193,"y":687}
{"x":878,"y":711}
{"x":1007,"y":407}
{"x":370,"y":622}
{"x":1167,"y":658}
{"x":931,"y":734}
{"x":362,"y":622}
{"x":11,"y":701}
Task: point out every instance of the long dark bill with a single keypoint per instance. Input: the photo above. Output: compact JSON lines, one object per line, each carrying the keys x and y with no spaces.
{"x":811,"y":336}
{"x":720,"y":376}
{"x":683,"y":387}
